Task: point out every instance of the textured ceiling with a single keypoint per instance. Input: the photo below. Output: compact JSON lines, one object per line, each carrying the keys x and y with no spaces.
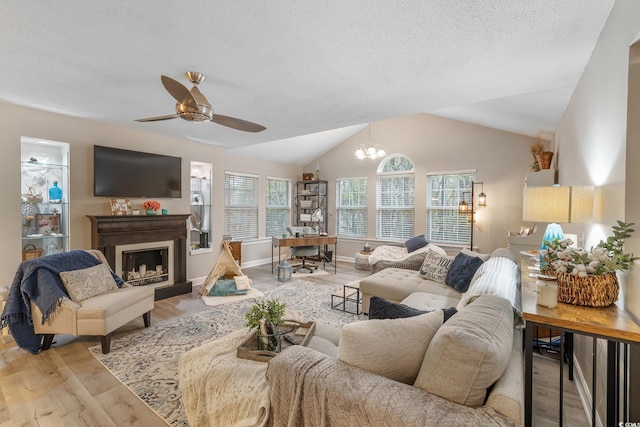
{"x":297,"y":67}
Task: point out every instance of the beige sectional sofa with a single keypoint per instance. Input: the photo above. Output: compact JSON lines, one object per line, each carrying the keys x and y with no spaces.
{"x":469,"y":369}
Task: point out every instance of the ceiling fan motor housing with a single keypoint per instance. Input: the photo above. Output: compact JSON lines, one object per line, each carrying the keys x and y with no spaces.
{"x":203,"y":114}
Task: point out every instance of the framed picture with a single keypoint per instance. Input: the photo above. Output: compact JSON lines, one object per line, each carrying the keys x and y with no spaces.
{"x":120,"y":206}
{"x":47,"y":224}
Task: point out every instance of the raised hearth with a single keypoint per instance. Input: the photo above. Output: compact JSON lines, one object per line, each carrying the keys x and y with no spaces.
{"x":110,"y":232}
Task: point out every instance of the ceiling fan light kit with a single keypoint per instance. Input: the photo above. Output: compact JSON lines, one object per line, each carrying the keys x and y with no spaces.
{"x":193,"y":106}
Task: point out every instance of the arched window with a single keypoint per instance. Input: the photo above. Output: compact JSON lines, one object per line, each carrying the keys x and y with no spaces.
{"x":396,"y":188}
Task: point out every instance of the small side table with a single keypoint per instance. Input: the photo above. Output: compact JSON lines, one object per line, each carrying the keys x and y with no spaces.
{"x":349,"y":299}
{"x":362,"y":260}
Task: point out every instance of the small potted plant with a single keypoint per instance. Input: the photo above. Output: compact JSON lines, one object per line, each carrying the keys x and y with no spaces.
{"x":266,"y":317}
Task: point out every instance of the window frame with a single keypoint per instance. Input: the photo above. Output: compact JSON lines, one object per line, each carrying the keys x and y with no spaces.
{"x":459,"y":224}
{"x":242,"y":228}
{"x":386,"y":231}
{"x":287,"y":207}
{"x":353,"y":210}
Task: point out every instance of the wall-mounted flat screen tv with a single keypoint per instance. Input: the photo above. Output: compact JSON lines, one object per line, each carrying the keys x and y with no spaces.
{"x":126,"y":173}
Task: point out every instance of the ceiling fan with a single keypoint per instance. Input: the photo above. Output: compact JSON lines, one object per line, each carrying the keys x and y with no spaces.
{"x":192,"y":105}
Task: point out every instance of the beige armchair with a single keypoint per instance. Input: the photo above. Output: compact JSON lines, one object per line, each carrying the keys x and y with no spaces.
{"x":99,"y":315}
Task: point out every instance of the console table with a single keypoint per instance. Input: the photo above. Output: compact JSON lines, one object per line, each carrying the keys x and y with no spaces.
{"x":610,"y":323}
{"x":305,"y":241}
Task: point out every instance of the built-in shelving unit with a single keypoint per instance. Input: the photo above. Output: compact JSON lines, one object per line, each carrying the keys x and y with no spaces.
{"x":200,"y":219}
{"x":311,"y":204}
{"x":45,"y":214}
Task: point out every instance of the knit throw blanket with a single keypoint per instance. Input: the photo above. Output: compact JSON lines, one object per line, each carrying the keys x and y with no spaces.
{"x":220,"y":389}
{"x":38,"y":280}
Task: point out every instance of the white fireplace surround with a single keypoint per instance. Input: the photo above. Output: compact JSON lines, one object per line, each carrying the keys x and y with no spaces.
{"x":166,"y":244}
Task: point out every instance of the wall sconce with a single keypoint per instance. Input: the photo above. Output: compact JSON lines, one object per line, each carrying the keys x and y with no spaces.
{"x":464,"y":208}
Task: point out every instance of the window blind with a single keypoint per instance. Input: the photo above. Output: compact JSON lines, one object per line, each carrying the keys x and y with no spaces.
{"x":241,"y":205}
{"x":351,"y":207}
{"x":396,"y":199}
{"x":444,"y":193}
{"x":278,"y":202}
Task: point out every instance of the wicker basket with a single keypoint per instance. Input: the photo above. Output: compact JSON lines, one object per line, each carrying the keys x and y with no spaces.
{"x":593,"y":291}
{"x":30,"y":252}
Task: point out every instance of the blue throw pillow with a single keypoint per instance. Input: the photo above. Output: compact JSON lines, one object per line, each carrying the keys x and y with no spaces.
{"x":416,"y":243}
{"x":381,"y":308}
{"x":462,"y":270}
{"x":225,"y":287}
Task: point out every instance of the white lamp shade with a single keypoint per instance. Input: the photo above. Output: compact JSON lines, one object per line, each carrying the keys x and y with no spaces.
{"x":558,"y":204}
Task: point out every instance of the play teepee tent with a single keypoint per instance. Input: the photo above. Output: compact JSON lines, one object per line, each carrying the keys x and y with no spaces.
{"x":225,"y":266}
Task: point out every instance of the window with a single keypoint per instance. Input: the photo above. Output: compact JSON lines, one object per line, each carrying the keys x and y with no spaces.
{"x":351,"y":207}
{"x":278,"y":206}
{"x":396,"y":186}
{"x":241,"y":205}
{"x":444,"y":192}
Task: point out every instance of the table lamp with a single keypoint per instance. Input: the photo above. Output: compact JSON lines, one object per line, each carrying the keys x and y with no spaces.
{"x":557,"y":204}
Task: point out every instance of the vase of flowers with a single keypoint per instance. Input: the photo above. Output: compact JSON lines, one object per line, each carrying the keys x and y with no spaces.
{"x":589,"y":277}
{"x":266,"y":317}
{"x":151,"y":207}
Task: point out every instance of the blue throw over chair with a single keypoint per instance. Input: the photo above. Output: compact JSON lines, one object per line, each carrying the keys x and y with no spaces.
{"x":303,"y":251}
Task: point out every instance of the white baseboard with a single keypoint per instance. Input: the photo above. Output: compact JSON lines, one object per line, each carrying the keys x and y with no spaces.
{"x":584,"y":393}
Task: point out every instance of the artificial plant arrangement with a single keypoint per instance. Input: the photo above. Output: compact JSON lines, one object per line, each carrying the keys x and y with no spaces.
{"x":606,"y":257}
{"x":588,"y":277}
{"x":266,"y":317}
{"x":151,"y":205}
{"x":536,"y":150}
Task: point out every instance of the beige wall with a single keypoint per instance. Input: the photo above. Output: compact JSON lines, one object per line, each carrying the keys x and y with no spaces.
{"x":82,"y":135}
{"x":437,"y":144}
{"x":593,"y":148}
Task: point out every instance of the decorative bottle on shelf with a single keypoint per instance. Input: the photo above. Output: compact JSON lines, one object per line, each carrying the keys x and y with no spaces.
{"x":55,"y":193}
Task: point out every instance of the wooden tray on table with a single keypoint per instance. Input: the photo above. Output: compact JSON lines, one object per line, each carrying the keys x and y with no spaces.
{"x":248,"y":349}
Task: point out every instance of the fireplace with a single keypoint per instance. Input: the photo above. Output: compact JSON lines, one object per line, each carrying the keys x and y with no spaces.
{"x":145,"y":250}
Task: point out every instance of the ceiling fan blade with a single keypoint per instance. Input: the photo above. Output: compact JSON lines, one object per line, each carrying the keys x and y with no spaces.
{"x":239,"y":124}
{"x":157,"y":119}
{"x":179,"y":92}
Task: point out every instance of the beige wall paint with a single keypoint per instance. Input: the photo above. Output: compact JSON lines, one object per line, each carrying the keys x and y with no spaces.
{"x":82,"y":134}
{"x":501,"y":160}
{"x":593,"y":148}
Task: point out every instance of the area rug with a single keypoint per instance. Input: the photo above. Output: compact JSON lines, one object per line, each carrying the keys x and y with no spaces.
{"x":147,"y":361}
{"x":305,"y":273}
{"x":251,"y":294}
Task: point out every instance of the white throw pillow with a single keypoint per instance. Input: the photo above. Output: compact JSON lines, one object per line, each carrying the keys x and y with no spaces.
{"x":469,"y":352}
{"x":392,"y":348}
{"x":88,"y":282}
{"x":242,"y":282}
{"x":435,"y":266}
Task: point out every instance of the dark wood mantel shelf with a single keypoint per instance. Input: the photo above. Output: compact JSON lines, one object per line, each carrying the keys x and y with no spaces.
{"x":108,"y":231}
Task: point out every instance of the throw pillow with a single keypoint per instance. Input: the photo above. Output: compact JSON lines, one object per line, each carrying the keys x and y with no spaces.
{"x":461,"y":272}
{"x":483,"y":257}
{"x":416,"y":243}
{"x":225,"y":287}
{"x":392,"y":348}
{"x":88,"y":282}
{"x":470,"y":352}
{"x":382,"y":308}
{"x":435,"y":266}
{"x":242,"y":282}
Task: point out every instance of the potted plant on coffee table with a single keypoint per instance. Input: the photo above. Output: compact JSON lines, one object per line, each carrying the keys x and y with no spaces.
{"x":266,"y":317}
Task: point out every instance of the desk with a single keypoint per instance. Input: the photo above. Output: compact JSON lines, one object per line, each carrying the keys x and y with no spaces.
{"x":306,"y":241}
{"x":610,"y":323}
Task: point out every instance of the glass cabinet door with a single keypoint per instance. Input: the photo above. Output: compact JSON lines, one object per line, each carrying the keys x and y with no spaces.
{"x":200,"y":220}
{"x":44,"y":197}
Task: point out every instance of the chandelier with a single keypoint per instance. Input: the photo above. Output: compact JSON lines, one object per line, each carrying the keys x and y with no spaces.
{"x":369,"y":152}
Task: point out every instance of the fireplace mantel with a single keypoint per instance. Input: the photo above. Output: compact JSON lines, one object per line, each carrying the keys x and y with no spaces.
{"x":109,"y":231}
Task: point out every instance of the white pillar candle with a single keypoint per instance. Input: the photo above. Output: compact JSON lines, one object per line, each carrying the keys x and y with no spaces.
{"x":547,"y":291}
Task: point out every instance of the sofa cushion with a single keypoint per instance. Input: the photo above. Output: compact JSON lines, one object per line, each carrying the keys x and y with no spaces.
{"x":392,"y":348}
{"x":483,"y":257}
{"x":88,"y":282}
{"x":470,"y":352}
{"x":462,"y":271}
{"x":435,"y":266}
{"x":416,"y":243}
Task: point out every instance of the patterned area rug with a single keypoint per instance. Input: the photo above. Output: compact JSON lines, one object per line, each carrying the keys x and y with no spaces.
{"x":147,"y":361}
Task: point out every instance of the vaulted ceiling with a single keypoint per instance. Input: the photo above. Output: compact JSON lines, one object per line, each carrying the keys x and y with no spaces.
{"x":313,"y":73}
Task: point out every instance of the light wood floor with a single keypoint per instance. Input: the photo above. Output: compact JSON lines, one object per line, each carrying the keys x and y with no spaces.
{"x":66,"y":386}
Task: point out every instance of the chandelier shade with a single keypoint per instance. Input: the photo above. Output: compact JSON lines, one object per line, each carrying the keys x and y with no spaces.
{"x":369,"y":151}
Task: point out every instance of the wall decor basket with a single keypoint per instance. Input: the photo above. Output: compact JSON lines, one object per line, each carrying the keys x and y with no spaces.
{"x":594,"y":291}
{"x":30,"y":252}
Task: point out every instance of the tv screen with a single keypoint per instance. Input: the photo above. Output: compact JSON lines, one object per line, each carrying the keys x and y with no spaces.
{"x":126,"y":173}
